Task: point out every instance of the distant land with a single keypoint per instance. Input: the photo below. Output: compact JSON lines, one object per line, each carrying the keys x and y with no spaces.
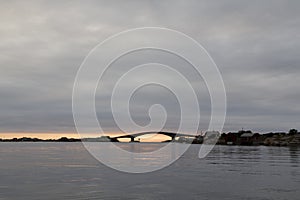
{"x":242,"y":137}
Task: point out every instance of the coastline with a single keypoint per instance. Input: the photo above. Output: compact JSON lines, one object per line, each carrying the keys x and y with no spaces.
{"x":241,"y":138}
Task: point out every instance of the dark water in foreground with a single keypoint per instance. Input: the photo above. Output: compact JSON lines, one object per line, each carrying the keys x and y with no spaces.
{"x":67,"y":171}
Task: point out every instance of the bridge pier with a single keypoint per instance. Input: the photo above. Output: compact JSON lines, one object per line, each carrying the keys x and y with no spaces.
{"x":131,"y":139}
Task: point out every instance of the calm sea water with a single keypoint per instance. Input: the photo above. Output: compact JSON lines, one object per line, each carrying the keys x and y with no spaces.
{"x":67,"y":171}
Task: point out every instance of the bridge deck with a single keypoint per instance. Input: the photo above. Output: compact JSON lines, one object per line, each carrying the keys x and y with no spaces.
{"x":172,"y":135}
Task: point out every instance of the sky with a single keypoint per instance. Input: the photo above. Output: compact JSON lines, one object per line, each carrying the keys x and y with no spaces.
{"x":255,"y":45}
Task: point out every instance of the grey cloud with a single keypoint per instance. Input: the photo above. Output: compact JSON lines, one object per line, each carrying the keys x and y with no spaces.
{"x":255,"y":44}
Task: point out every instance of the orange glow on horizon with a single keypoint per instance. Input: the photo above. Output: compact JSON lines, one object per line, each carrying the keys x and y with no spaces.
{"x":146,"y":138}
{"x":48,"y":135}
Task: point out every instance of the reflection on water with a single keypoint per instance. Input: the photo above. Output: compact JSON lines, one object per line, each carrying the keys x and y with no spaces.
{"x":67,"y":171}
{"x":136,"y":157}
{"x":294,"y":155}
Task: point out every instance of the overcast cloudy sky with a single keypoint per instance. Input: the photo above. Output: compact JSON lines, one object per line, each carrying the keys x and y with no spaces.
{"x":255,"y":44}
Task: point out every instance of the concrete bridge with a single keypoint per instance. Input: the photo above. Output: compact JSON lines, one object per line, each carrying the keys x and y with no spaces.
{"x":133,"y":136}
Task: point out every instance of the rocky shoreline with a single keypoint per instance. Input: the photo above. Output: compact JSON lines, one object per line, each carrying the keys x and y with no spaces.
{"x":292,"y":138}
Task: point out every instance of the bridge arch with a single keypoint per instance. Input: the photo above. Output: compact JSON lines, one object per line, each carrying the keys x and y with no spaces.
{"x":133,"y":136}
